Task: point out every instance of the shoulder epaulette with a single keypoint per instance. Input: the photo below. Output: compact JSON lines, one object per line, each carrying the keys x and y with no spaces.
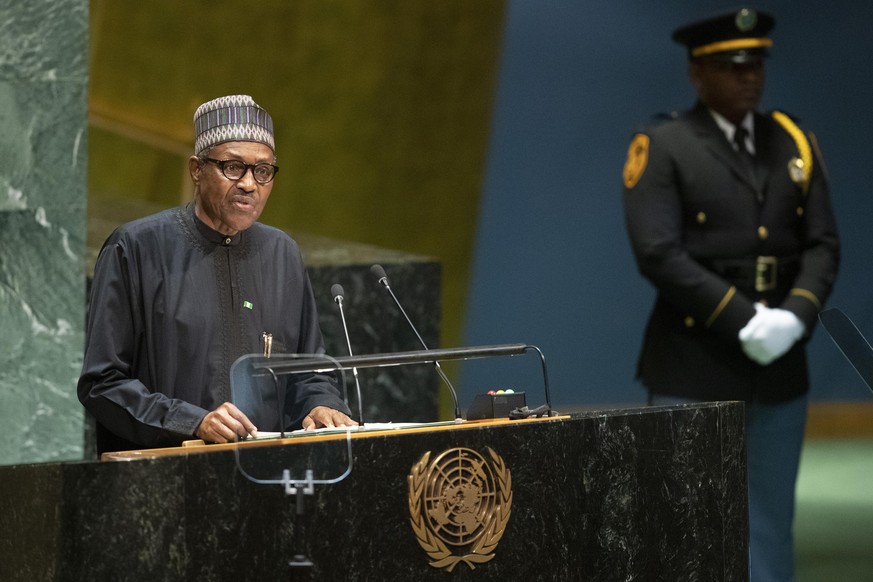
{"x":800,"y":168}
{"x":656,"y":120}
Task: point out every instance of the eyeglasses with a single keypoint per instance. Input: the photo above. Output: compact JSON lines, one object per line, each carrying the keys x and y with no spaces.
{"x":235,"y":170}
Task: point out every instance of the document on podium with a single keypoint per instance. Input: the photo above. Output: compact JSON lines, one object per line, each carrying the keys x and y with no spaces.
{"x":370,"y":426}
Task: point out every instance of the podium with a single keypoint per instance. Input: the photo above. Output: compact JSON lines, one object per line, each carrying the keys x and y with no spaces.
{"x":653,"y":493}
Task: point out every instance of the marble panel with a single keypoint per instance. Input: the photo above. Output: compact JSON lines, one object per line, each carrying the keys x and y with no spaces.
{"x":633,"y":494}
{"x":43,"y":112}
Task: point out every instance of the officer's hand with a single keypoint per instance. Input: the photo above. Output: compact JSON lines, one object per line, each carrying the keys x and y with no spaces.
{"x":225,"y":424}
{"x":770,"y":333}
{"x":324,"y":417}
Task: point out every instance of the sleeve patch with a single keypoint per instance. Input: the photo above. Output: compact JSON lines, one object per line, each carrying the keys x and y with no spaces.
{"x":637,"y":158}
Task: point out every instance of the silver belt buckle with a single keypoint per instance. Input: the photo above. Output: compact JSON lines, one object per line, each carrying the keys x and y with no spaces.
{"x":765,"y":274}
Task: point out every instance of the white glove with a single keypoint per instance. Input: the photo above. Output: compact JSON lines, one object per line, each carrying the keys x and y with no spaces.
{"x":770,"y":333}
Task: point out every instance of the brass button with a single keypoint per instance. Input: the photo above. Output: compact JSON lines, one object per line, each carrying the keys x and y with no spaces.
{"x":800,"y":211}
{"x":689,"y":321}
{"x":701,"y":217}
{"x":763,"y":233}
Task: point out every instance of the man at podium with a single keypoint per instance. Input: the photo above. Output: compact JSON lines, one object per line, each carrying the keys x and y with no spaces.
{"x":178,"y":296}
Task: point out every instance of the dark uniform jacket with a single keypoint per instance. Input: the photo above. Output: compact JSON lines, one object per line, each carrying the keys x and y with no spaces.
{"x":714,"y":239}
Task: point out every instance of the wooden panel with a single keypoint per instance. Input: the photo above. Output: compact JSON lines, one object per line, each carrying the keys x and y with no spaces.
{"x":840,"y":420}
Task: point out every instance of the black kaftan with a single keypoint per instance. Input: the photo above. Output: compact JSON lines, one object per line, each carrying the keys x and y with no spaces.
{"x":173,"y":304}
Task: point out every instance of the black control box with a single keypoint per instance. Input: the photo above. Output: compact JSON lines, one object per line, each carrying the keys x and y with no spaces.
{"x":495,"y":405}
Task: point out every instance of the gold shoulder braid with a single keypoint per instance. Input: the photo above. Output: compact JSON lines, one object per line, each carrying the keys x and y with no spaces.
{"x":800,"y":169}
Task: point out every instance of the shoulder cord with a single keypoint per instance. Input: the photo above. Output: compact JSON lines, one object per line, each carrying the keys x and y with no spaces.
{"x":802,"y":145}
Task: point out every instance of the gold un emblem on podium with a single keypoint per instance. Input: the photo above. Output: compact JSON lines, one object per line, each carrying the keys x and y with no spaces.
{"x":459,"y":505}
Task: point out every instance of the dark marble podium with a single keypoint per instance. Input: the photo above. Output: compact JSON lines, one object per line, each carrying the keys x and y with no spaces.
{"x":635,"y":494}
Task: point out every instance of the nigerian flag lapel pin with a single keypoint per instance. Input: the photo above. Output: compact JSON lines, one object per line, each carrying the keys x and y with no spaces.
{"x":248,"y":304}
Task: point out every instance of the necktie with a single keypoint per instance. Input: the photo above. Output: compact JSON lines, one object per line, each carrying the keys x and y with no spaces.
{"x":747,"y":161}
{"x":746,"y":158}
{"x":740,"y":135}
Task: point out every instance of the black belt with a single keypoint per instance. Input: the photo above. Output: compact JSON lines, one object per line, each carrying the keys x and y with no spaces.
{"x":758,"y":273}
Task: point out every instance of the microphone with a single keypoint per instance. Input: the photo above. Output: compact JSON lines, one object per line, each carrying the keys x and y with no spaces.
{"x":337,"y":291}
{"x":382,"y":277}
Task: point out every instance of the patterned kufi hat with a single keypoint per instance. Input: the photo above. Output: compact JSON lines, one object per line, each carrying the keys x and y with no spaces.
{"x":231,"y":118}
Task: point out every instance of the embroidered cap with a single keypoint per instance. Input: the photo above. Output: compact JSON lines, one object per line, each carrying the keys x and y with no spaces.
{"x":231,"y":118}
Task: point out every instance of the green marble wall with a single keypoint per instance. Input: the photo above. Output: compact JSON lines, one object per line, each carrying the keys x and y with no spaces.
{"x":43,"y":148}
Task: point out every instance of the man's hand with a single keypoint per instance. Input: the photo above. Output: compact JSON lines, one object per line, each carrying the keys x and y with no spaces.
{"x":225,"y":424}
{"x":324,"y":417}
{"x":770,"y":333}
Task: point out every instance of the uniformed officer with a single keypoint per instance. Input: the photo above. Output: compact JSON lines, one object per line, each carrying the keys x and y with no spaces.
{"x":730,"y":219}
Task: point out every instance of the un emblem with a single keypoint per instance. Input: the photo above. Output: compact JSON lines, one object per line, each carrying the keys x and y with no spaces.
{"x":459,"y":505}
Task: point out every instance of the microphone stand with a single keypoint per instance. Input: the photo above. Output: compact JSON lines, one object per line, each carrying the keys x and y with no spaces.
{"x":383,"y":279}
{"x":338,"y":293}
{"x":299,"y":562}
